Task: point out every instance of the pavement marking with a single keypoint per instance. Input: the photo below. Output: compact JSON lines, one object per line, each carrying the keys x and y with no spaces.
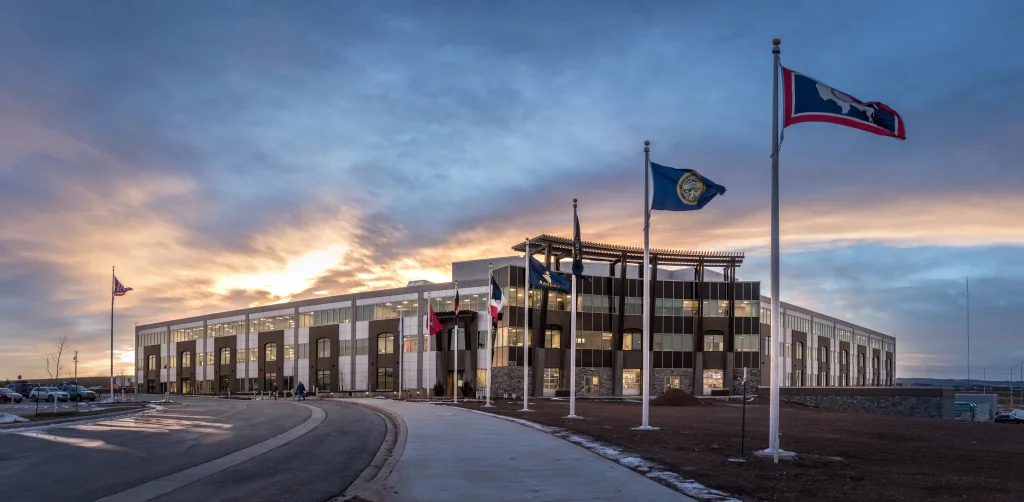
{"x":171,"y":482}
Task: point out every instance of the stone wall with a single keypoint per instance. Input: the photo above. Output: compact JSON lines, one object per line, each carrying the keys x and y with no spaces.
{"x":923,"y":402}
{"x":604,"y":382}
{"x":658,"y":381}
{"x":509,"y":380}
{"x":753,"y":381}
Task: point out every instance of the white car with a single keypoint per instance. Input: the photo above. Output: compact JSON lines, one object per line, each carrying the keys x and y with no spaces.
{"x":50,"y":394}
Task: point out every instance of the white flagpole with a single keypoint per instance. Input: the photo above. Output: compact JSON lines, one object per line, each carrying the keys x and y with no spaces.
{"x":426,"y":336}
{"x":572,"y":330}
{"x":646,"y":343}
{"x":455,"y":351}
{"x":526,"y":329}
{"x":113,"y":278}
{"x":490,"y":327}
{"x":401,"y":352}
{"x":776,"y":329}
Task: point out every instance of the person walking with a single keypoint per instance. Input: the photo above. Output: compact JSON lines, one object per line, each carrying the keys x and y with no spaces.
{"x":300,"y":392}
{"x":275,"y":391}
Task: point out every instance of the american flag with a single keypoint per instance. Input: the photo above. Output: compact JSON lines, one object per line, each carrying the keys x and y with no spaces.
{"x":119,"y":289}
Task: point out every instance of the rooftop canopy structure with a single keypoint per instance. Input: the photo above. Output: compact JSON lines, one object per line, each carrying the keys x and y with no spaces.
{"x":561,"y":247}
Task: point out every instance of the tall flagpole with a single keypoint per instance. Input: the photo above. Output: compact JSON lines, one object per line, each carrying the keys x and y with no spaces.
{"x":112,"y":279}
{"x":455,"y":350}
{"x":572,"y":329}
{"x":776,"y":334}
{"x":490,"y":334}
{"x":526,"y":329}
{"x":401,"y":352}
{"x":646,"y":343}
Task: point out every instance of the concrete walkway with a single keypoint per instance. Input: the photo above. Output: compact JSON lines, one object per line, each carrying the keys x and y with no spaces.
{"x":457,"y":455}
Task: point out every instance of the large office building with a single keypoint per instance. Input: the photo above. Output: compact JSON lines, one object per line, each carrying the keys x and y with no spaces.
{"x":709,"y":329}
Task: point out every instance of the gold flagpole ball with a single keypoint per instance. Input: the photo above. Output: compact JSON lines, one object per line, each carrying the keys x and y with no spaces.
{"x":647,"y":143}
{"x":776,"y":42}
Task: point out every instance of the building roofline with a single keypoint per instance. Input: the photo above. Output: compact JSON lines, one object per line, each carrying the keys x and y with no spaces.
{"x":825,"y":317}
{"x":561,"y":247}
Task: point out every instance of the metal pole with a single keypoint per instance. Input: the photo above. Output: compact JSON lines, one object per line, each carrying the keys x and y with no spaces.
{"x":76,"y":380}
{"x":112,"y":278}
{"x":455,"y":351}
{"x":743,"y":428}
{"x":646,"y":343}
{"x":776,"y":329}
{"x":490,"y":334}
{"x":967,"y":289}
{"x":526,"y":329}
{"x":401,"y":352}
{"x":572,"y":353}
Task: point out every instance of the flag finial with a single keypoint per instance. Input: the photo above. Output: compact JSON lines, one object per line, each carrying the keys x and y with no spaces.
{"x":776,"y":42}
{"x":647,"y":143}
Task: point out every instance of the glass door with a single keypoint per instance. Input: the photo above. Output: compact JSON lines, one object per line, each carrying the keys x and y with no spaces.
{"x":630,"y":382}
{"x":713,"y":380}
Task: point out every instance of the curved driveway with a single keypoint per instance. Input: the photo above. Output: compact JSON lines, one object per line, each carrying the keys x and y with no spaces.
{"x":89,"y":462}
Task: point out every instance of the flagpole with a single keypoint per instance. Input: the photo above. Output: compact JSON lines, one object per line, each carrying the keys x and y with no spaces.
{"x":455,"y":350}
{"x":112,"y":279}
{"x":646,"y":343}
{"x":490,"y":328}
{"x":401,"y":352}
{"x":777,"y":337}
{"x":526,"y":328}
{"x":572,"y":329}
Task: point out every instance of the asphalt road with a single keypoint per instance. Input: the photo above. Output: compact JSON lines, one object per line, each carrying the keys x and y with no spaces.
{"x":92,"y":461}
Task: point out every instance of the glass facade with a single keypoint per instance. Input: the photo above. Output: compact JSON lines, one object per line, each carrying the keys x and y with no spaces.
{"x":271,"y":352}
{"x":387,"y":310}
{"x":746,"y":343}
{"x":325,"y":317}
{"x":386,"y":343}
{"x":553,"y":338}
{"x":385,"y":379}
{"x":226,"y":329}
{"x":714,"y":343}
{"x":596,"y":340}
{"x":672,"y":342}
{"x":186,"y":334}
{"x":274,"y":323}
{"x":508,"y":337}
{"x":476,"y":302}
{"x":147,"y":339}
{"x":747,"y":308}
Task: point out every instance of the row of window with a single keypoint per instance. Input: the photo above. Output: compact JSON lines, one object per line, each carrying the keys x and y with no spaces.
{"x":325,"y":317}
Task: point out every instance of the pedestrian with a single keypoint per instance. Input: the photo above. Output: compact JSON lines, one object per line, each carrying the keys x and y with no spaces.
{"x":300,"y":392}
{"x":275,"y":391}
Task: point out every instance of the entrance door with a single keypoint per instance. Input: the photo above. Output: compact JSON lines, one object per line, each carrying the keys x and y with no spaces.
{"x":591,"y":386}
{"x":458,"y":385}
{"x":630,"y":382}
{"x":225,"y":384}
{"x":151,"y":386}
{"x":186,"y":386}
{"x":713,"y":380}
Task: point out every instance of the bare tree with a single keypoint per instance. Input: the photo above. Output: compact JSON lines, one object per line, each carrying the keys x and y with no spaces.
{"x":53,"y":360}
{"x":122,"y":379}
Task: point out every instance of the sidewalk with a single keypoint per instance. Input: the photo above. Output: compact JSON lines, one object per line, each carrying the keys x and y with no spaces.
{"x":456,"y":455}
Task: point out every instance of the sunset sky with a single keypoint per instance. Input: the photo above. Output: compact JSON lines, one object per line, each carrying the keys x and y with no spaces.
{"x":228,"y":154}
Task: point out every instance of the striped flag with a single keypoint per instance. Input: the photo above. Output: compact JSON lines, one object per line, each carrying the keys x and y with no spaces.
{"x":120,"y":289}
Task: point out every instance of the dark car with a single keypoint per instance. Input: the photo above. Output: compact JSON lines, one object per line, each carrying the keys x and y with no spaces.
{"x":78,"y":393}
{"x":23,"y":387}
{"x":1013,"y":417}
{"x":9,"y":396}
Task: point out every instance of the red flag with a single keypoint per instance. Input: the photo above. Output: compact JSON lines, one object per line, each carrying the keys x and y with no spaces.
{"x":433,"y":325}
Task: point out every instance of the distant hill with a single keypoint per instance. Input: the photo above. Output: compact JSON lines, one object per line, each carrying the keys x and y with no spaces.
{"x":950,"y":382}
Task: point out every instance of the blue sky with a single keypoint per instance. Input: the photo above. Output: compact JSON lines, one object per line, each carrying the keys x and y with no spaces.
{"x":241,"y":153}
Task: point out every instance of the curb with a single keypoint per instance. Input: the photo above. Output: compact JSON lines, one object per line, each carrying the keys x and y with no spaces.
{"x":370,"y":486}
{"x":19,"y":426}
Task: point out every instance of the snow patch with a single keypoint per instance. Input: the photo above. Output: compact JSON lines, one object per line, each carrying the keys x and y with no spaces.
{"x":655,"y":472}
{"x":7,"y":418}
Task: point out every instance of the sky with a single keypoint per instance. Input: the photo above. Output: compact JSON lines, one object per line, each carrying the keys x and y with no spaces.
{"x":232,"y":154}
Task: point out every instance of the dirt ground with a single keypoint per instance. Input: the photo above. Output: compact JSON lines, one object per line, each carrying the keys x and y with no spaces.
{"x":842,"y":456}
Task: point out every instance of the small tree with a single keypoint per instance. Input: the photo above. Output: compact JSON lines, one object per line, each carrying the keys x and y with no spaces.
{"x":467,"y":390}
{"x":438,"y":389}
{"x":53,"y":364}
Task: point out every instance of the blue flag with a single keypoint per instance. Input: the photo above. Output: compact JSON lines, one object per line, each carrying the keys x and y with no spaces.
{"x":681,"y":189}
{"x":542,"y":277}
{"x":577,"y":245}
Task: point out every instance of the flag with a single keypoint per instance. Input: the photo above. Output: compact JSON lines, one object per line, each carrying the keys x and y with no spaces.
{"x":119,"y":289}
{"x":497,"y":300}
{"x":542,"y":277}
{"x":457,"y":306}
{"x":433,"y":325}
{"x":577,"y":245}
{"x":681,"y":189}
{"x":808,"y":100}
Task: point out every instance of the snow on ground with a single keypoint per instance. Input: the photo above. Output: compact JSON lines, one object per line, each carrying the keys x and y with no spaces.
{"x":7,"y":418}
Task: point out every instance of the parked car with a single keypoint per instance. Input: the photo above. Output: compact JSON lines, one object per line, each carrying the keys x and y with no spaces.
{"x":1013,"y":417}
{"x":9,"y":396}
{"x":50,"y":394}
{"x":23,"y":387}
{"x":78,"y":393}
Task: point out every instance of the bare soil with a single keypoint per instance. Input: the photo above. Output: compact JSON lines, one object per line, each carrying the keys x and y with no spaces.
{"x":841,"y":455}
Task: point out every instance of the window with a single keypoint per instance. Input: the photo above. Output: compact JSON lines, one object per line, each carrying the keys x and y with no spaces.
{"x":240,"y":356}
{"x":553,"y":338}
{"x":846,"y":357}
{"x":672,"y":342}
{"x":155,"y":338}
{"x":508,"y":337}
{"x":798,"y":377}
{"x":460,"y":337}
{"x":362,"y":346}
{"x":386,"y":343}
{"x":271,"y":352}
{"x":634,"y":306}
{"x":385,"y":379}
{"x":323,"y":379}
{"x":714,"y":343}
{"x":716,"y":308}
{"x":325,"y":317}
{"x":273,"y":323}
{"x":767,"y":345}
{"x":269,"y":381}
{"x":186,"y":359}
{"x":798,"y":350}
{"x":598,"y":304}
{"x":411,"y":343}
{"x":225,"y":355}
{"x":632,"y":340}
{"x":254,"y":355}
{"x":289,"y":353}
{"x":323,"y":348}
{"x":186,"y":334}
{"x":746,"y":343}
{"x":596,"y":340}
{"x":226,"y":329}
{"x":823,"y":355}
{"x":747,"y":308}
{"x":151,"y":362}
{"x":481,"y":379}
{"x":666,"y":307}
{"x":672,"y":382}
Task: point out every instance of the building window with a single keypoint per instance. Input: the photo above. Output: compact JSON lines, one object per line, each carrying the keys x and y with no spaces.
{"x":668,"y":307}
{"x":325,"y":317}
{"x":186,"y":359}
{"x":323,"y":379}
{"x":385,"y":379}
{"x":386,"y":343}
{"x":460,"y":338}
{"x":274,"y":323}
{"x":481,"y":379}
{"x":411,"y":343}
{"x":746,"y":343}
{"x":551,"y":380}
{"x":595,"y":340}
{"x":747,"y":308}
{"x":716,"y":308}
{"x":630,"y":382}
{"x":672,"y":382}
{"x":798,"y":377}
{"x":323,"y":348}
{"x":632,"y":340}
{"x":271,"y":352}
{"x":798,"y":350}
{"x":289,"y":352}
{"x":225,"y":356}
{"x":767,"y":345}
{"x":672,"y":342}
{"x":553,"y":338}
{"x":714,"y":343}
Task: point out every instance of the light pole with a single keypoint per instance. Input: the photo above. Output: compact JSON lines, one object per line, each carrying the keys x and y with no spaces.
{"x":1012,"y":366}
